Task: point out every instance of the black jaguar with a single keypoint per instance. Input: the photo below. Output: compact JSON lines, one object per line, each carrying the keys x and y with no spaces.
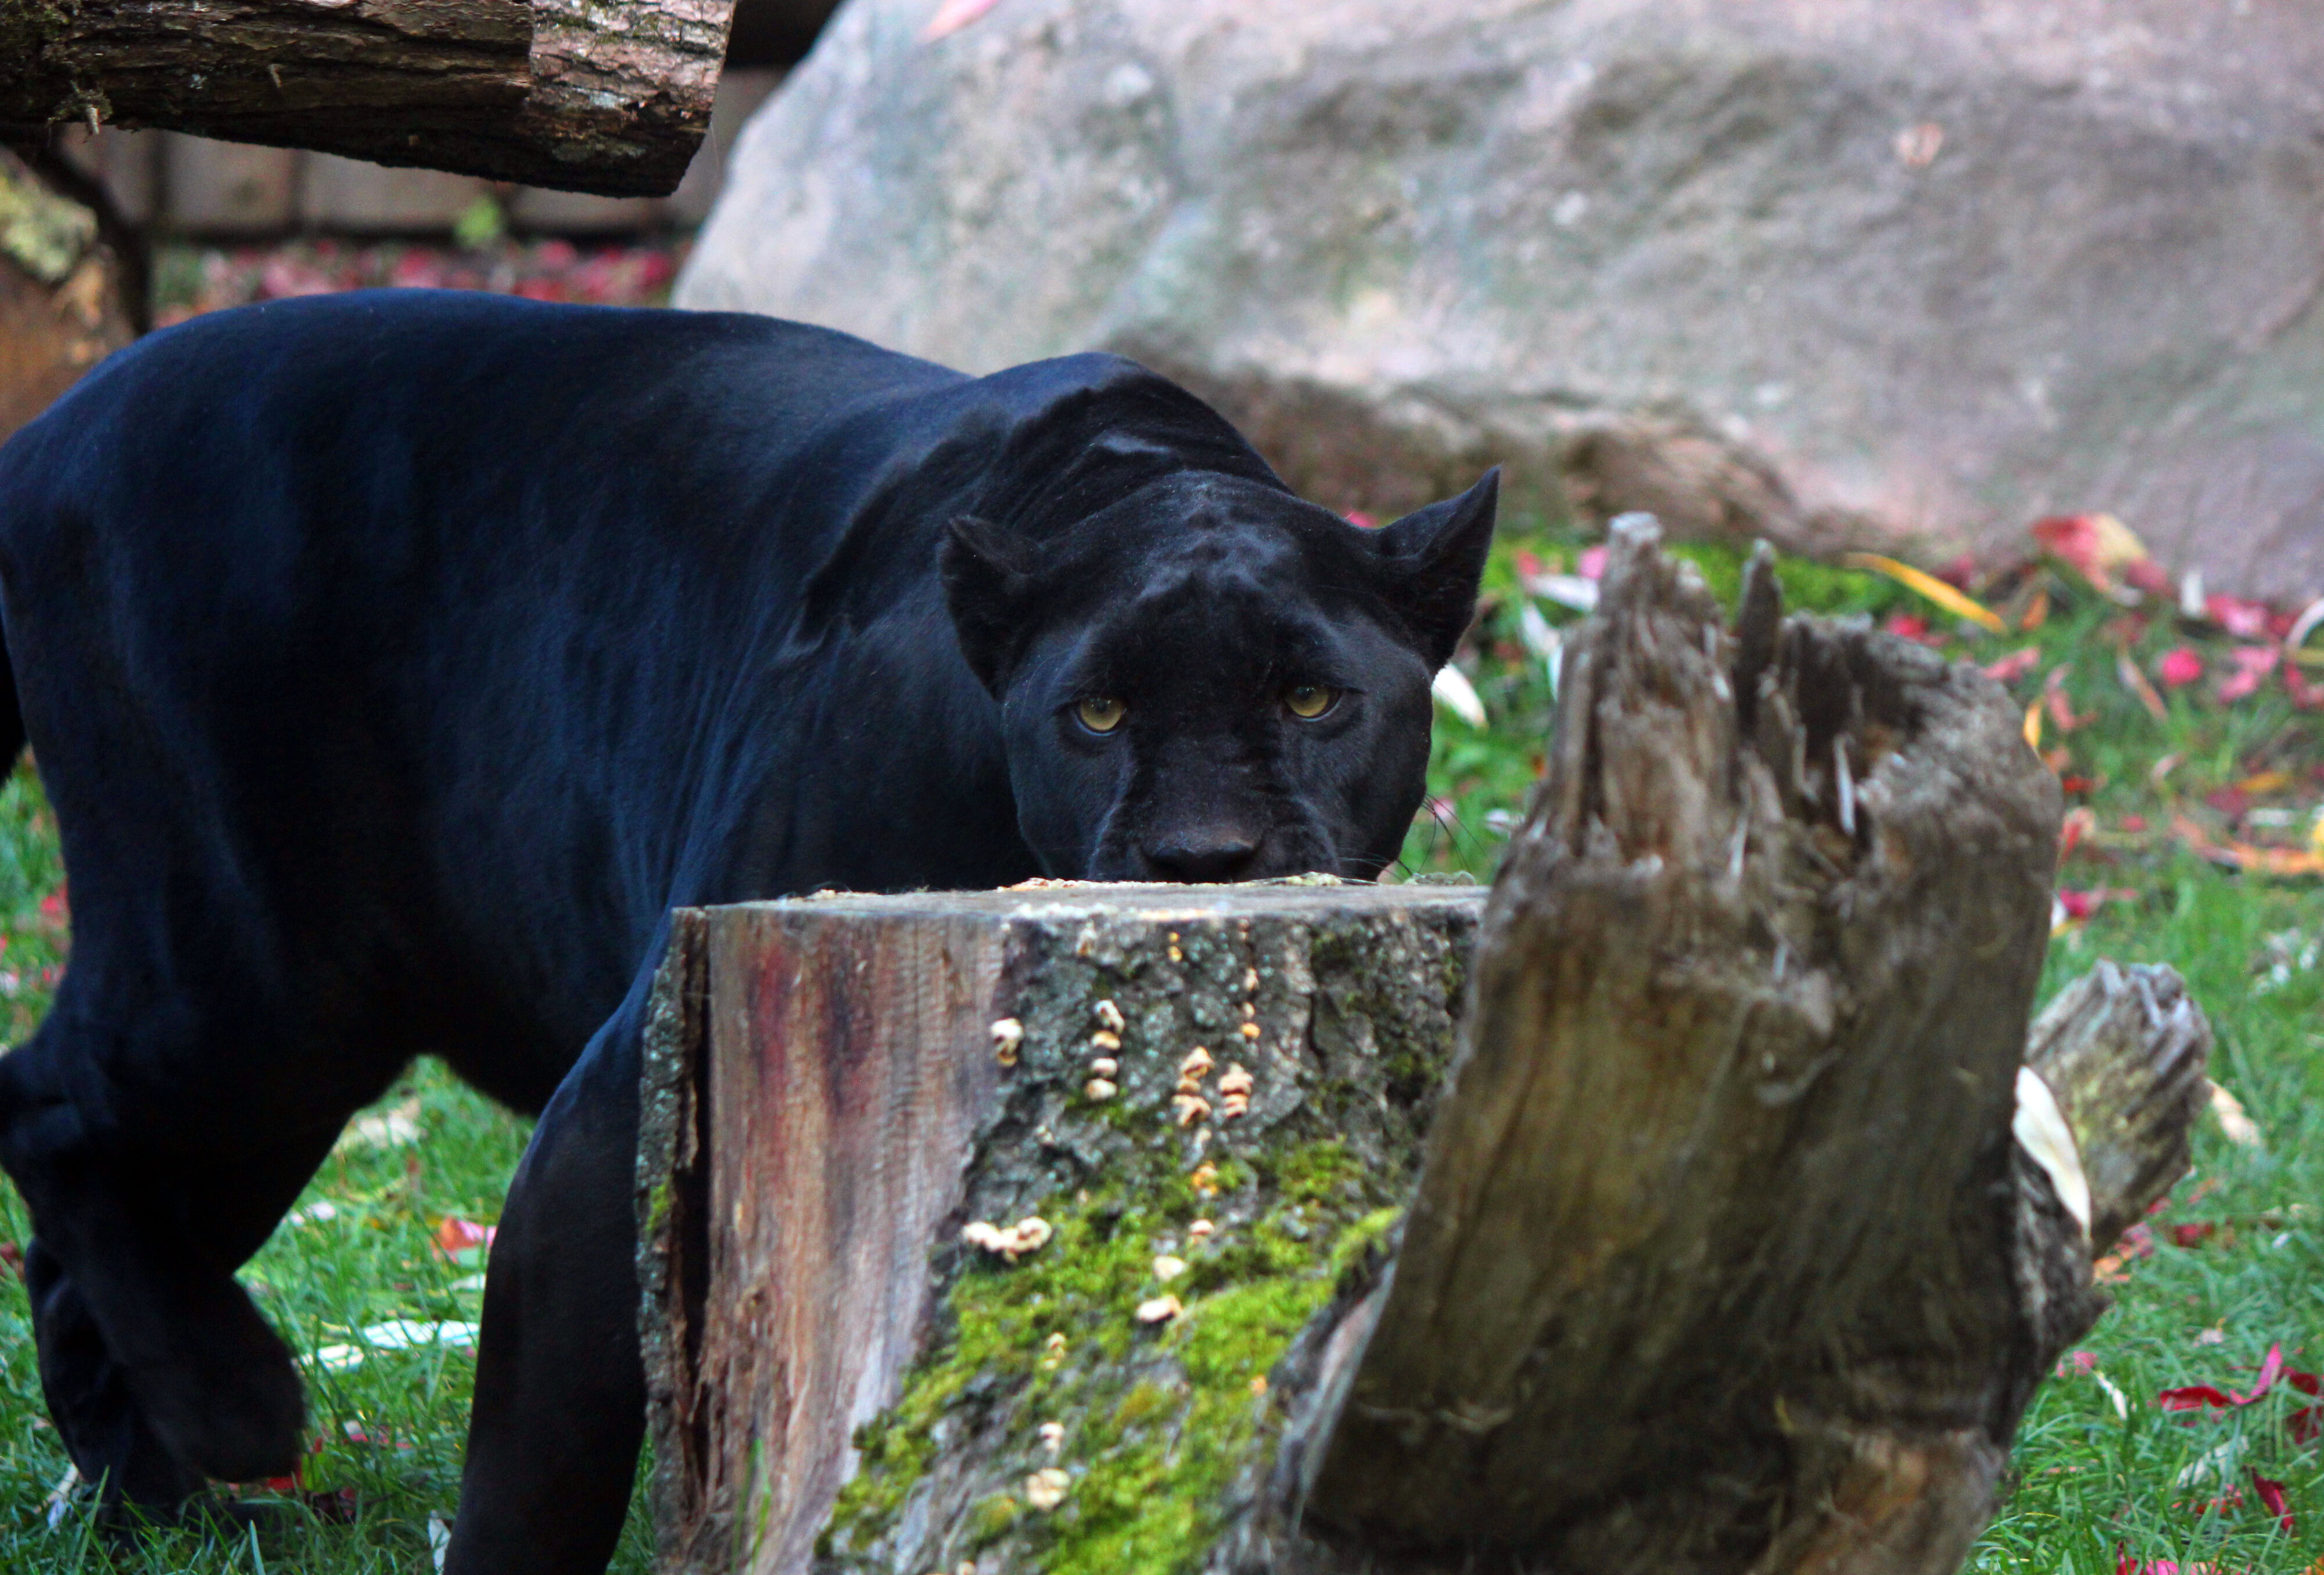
{"x":395,"y":661}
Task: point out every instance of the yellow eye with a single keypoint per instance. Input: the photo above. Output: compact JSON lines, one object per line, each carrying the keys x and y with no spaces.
{"x":1310,"y":700}
{"x":1101,"y":713}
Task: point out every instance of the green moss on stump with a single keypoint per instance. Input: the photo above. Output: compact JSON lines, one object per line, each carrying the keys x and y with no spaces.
{"x":1161,"y":1417}
{"x":1165,"y":1430}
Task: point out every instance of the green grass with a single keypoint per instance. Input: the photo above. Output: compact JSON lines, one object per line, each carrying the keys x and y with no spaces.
{"x":2087,"y":1485}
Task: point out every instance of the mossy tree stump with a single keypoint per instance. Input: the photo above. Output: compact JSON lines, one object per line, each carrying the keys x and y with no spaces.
{"x":1066,"y":1229}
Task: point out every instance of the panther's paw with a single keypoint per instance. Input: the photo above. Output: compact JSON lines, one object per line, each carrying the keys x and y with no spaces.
{"x":230,"y":1404}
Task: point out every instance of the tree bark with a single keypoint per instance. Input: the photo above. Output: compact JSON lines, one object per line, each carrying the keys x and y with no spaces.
{"x":1725,"y":1258}
{"x":612,"y":99}
{"x":1065,"y":1230}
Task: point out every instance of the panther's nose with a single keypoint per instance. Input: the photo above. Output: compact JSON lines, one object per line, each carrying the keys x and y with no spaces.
{"x":1202,"y":855}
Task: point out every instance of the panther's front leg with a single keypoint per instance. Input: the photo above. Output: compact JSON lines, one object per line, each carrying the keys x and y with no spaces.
{"x":559,"y":1408}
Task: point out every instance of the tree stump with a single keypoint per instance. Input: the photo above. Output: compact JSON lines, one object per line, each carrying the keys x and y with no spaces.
{"x":606,"y":98}
{"x":1067,"y":1229}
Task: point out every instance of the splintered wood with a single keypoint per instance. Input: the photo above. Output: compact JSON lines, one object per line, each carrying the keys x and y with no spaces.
{"x":1067,"y":1229}
{"x":1707,"y":1269}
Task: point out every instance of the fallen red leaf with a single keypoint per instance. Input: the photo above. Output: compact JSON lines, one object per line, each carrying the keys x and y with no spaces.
{"x":2095,"y":546}
{"x":2078,"y":904}
{"x":2079,"y":824}
{"x":455,"y":1236}
{"x":2178,"y":668}
{"x":2230,"y":801}
{"x":2253,"y":664}
{"x":2137,"y":1242}
{"x":2271,"y":1494}
{"x":2198,"y":1397}
{"x":2211,"y":1397}
{"x":2245,"y":620}
{"x":2193,"y":1233}
{"x":2014,"y":666}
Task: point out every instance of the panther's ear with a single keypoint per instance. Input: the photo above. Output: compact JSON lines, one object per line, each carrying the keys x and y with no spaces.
{"x":987,"y":590}
{"x":1432,"y":560}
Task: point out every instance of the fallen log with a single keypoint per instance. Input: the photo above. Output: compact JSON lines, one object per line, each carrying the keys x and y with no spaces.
{"x":612,"y":99}
{"x":1067,"y":1228}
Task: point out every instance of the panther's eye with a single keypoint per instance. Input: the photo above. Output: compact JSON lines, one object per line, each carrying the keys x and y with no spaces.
{"x":1101,"y":713}
{"x":1308,"y":701}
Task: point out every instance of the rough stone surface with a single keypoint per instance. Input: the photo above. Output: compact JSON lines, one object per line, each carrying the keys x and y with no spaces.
{"x":1827,"y":269}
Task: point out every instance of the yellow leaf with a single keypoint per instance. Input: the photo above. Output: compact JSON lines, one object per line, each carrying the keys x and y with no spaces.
{"x":1929,"y":586}
{"x":2034,"y":726}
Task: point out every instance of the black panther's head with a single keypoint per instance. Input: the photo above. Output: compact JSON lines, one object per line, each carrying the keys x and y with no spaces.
{"x":1213,"y":680}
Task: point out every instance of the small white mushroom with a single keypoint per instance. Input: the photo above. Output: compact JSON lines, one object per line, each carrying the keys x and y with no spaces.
{"x":1251,"y":1030}
{"x":1160,"y":1310}
{"x":1235,"y":1079}
{"x":1100,"y":1089}
{"x":1249,"y":980}
{"x":1197,"y":1063}
{"x":1167,"y":1268}
{"x":1233,"y":1107}
{"x":1191,"y":1107}
{"x":1104,"y":1066}
{"x":1045,"y":1489}
{"x":1201,"y":1228}
{"x":1204,"y":1179}
{"x":1008,"y":1034}
{"x":1053,"y":1436}
{"x":1110,"y":1016}
{"x":1053,"y":1352}
{"x":1030,"y":1234}
{"x":1103,"y":1040}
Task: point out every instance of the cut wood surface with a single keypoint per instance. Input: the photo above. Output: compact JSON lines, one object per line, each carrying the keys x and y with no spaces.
{"x":608,"y":98}
{"x":1091,"y":1228}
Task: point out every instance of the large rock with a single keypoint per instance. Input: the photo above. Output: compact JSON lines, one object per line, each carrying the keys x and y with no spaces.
{"x":1831,"y":269}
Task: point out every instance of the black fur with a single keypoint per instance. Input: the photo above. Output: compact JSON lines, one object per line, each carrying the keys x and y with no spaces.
{"x":395,"y":661}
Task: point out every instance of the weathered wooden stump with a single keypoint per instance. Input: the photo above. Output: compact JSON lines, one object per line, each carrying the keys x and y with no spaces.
{"x":1066,"y":1229}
